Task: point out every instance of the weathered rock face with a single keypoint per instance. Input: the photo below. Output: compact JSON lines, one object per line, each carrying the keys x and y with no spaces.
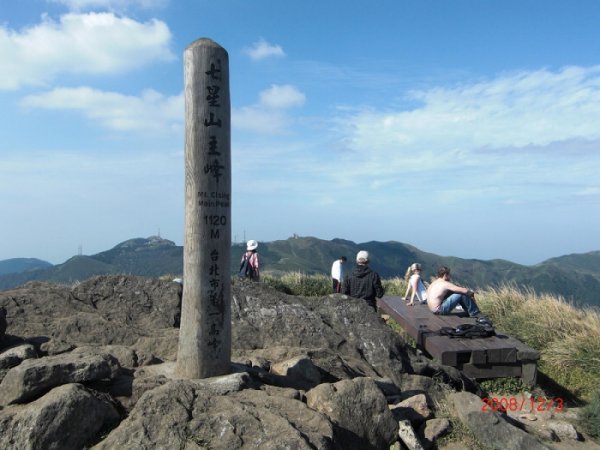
{"x":65,"y":418}
{"x":33,"y":377}
{"x":413,"y":409}
{"x":490,"y":427}
{"x":359,"y":410}
{"x":13,"y":356}
{"x":187,"y":412}
{"x":306,"y":372}
{"x":101,"y":311}
{"x":347,"y":328}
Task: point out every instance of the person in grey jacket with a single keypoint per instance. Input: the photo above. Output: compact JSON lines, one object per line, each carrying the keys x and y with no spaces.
{"x":362,"y":282}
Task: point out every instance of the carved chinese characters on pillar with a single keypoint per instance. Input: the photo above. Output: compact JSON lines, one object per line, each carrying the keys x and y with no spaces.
{"x":214,"y":168}
{"x":217,"y":302}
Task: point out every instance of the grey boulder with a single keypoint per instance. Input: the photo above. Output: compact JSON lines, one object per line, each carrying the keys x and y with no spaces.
{"x":34,"y":377}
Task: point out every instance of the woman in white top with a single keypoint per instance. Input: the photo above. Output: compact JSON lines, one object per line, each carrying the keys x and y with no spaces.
{"x":415,"y":284}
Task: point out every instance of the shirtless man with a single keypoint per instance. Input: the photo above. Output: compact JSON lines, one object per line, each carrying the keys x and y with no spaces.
{"x":443,"y":296}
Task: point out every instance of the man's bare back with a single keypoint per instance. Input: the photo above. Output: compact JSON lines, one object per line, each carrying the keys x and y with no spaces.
{"x":439,"y":289}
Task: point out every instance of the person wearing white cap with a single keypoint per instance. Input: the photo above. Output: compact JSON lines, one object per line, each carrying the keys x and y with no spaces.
{"x":250,"y":264}
{"x":363,"y":282}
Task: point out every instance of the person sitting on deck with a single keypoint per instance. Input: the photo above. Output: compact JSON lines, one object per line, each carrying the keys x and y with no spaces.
{"x":415,"y":283}
{"x":443,"y":296}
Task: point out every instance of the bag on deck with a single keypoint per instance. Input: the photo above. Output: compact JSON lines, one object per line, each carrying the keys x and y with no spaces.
{"x":468,"y":330}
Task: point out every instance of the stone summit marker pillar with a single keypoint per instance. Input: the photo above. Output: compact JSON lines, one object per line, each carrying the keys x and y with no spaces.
{"x":205,"y":330}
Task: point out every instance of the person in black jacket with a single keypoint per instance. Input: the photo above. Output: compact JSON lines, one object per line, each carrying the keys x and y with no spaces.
{"x":362,"y":282}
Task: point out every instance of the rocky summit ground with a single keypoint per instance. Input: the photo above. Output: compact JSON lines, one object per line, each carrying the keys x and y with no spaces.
{"x":93,"y":366}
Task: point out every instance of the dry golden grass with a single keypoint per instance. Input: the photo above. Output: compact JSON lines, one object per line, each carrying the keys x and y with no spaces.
{"x":567,"y":337}
{"x":298,"y":283}
{"x":394,"y":286}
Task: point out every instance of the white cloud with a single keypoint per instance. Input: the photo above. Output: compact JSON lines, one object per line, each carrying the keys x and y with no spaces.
{"x":262,"y":49}
{"x":156,"y":113}
{"x":590,"y":191}
{"x":94,"y":43}
{"x":110,"y":5}
{"x":258,"y":120}
{"x":282,"y":97}
{"x":150,"y":112}
{"x":464,"y":125}
{"x":480,"y":146}
{"x":269,"y":115}
{"x":517,"y":110}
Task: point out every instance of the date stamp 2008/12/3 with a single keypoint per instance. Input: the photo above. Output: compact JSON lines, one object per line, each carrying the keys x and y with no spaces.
{"x":530,"y":405}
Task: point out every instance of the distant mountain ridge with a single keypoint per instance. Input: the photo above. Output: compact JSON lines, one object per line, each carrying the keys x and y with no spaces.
{"x":576,"y":277}
{"x":15,"y":265}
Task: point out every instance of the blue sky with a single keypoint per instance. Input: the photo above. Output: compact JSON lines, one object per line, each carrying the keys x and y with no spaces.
{"x":467,"y":128}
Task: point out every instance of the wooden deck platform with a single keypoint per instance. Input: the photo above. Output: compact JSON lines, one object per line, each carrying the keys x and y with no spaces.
{"x":491,"y":357}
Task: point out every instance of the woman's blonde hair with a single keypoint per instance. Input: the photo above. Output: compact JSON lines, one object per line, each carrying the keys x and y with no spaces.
{"x":411,"y":269}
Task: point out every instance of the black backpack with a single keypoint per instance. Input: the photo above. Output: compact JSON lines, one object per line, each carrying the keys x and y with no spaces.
{"x":246,"y":269}
{"x":468,"y":330}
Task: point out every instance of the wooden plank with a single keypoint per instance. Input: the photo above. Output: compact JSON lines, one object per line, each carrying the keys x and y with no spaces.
{"x":491,"y":370}
{"x":493,"y":349}
{"x":524,"y":353}
{"x":479,"y":357}
{"x":418,"y":320}
{"x":479,"y":352}
{"x":448,"y":353}
{"x":529,"y":373}
{"x":490,"y":357}
{"x":499,"y":351}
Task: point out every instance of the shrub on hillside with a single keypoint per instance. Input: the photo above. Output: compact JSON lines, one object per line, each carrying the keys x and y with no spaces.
{"x":589,"y":416}
{"x":276,"y":283}
{"x":297,"y":283}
